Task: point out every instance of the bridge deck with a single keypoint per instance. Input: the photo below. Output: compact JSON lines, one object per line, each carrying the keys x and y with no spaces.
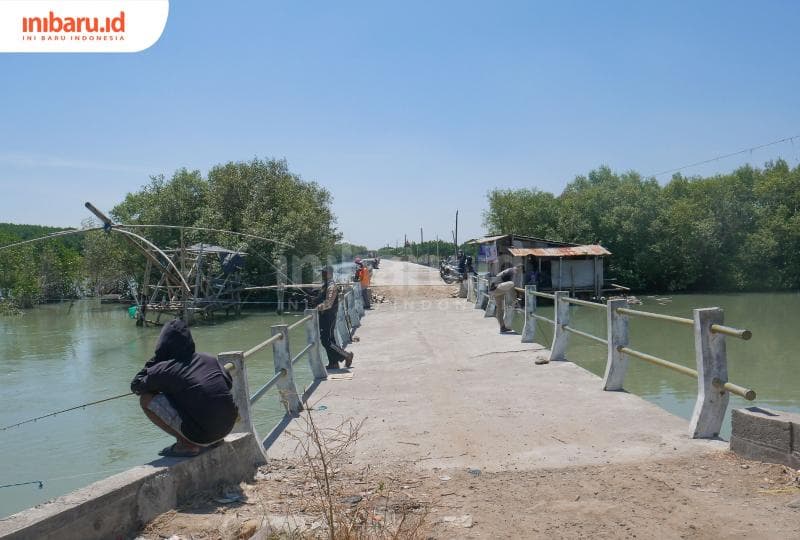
{"x":441,"y":387}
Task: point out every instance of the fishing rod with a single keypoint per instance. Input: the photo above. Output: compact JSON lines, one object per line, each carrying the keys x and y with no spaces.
{"x":82,"y":406}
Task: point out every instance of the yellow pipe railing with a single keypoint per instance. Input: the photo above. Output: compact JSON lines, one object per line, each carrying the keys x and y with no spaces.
{"x":733,"y":332}
{"x":263,"y":344}
{"x":746,"y":393}
{"x":586,"y":303}
{"x":658,"y":316}
{"x":299,"y":322}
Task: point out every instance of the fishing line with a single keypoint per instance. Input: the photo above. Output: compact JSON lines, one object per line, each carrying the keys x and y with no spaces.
{"x":82,"y":406}
{"x":40,"y":482}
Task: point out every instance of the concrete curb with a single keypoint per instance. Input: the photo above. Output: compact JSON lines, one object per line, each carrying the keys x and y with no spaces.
{"x":120,"y":505}
{"x":766,"y":435}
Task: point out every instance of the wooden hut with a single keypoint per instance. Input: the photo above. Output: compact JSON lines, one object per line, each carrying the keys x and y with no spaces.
{"x":548,"y":264}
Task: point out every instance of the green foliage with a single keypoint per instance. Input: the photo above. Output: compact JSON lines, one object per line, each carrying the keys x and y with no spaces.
{"x":425,"y":251}
{"x":739,"y":231}
{"x":109,"y":262}
{"x":345,"y":251}
{"x":258,"y":197}
{"x":33,"y":273}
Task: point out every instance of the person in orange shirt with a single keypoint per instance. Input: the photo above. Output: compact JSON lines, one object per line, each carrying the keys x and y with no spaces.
{"x":364,"y":278}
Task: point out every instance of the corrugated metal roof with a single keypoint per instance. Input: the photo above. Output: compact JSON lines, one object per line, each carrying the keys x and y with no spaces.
{"x":570,"y":251}
{"x":486,"y":239}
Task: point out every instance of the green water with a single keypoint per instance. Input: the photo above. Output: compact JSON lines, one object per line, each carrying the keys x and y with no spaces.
{"x":55,"y":357}
{"x":768,"y":363}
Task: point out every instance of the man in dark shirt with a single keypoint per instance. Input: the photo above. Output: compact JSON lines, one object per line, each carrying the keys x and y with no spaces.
{"x":462,"y":263}
{"x":327,"y":302}
{"x":187,"y":394}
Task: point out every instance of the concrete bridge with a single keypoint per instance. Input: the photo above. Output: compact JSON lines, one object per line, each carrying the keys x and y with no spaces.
{"x":433,"y":371}
{"x":496,"y":445}
{"x":444,"y":393}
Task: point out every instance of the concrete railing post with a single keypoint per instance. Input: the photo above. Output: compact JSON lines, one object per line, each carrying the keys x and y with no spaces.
{"x":359,"y":303}
{"x":462,"y":289}
{"x":241,"y":397}
{"x":529,"y":329}
{"x":510,"y":308}
{"x":616,"y":363}
{"x":470,"y":288}
{"x":287,"y":391}
{"x":559,"y":349}
{"x":358,"y":297}
{"x":355,"y":318}
{"x":481,"y":294}
{"x":491,"y":305}
{"x":347,"y":324}
{"x":712,"y":364}
{"x":239,"y":389}
{"x":312,"y":339}
{"x":342,"y":333}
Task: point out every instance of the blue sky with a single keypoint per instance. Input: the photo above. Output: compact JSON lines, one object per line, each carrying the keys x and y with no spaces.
{"x":405,"y":111}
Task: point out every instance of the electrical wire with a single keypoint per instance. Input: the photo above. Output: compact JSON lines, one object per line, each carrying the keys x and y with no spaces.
{"x":760,"y":146}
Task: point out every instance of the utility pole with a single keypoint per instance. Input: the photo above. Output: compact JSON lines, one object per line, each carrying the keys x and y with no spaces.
{"x":421,"y":242}
{"x":455,"y":235}
{"x":437,"y":248}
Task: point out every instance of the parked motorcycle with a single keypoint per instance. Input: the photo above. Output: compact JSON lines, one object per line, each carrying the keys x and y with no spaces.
{"x":449,"y":272}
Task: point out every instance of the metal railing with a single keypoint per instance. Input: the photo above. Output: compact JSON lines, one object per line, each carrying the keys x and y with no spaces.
{"x":348,"y":316}
{"x":709,"y":337}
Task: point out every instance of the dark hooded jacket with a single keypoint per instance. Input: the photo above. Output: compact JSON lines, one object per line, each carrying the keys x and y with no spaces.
{"x":196,"y":385}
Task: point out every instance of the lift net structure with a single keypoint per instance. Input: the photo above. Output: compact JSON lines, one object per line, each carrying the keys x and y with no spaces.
{"x":198,"y":281}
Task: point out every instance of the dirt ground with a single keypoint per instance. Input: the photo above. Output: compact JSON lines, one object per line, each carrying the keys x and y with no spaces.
{"x":717,"y":495}
{"x":400,"y":293}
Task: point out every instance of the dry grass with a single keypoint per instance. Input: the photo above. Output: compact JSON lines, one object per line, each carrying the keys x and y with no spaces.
{"x":380,"y":512}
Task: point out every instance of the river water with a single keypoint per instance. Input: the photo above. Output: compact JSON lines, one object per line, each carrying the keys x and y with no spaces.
{"x":58,"y":356}
{"x":767,"y":363}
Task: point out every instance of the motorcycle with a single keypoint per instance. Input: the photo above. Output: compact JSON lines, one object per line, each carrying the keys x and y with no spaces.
{"x":449,"y":272}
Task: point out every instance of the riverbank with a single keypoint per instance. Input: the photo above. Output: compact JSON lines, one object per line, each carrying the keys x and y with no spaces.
{"x":482,"y":443}
{"x":716,"y":495}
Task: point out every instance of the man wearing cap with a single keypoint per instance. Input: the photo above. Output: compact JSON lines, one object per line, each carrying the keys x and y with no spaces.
{"x":328,"y":303}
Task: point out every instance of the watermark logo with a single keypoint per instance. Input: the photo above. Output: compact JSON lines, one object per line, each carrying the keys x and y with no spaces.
{"x":81,"y":25}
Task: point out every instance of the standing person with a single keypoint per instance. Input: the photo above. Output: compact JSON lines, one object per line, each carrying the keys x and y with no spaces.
{"x":364,"y":279}
{"x":328,"y":303}
{"x":470,"y":269}
{"x":462,"y":263}
{"x":185,"y":393}
{"x":501,"y":288}
{"x":532,"y":276}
